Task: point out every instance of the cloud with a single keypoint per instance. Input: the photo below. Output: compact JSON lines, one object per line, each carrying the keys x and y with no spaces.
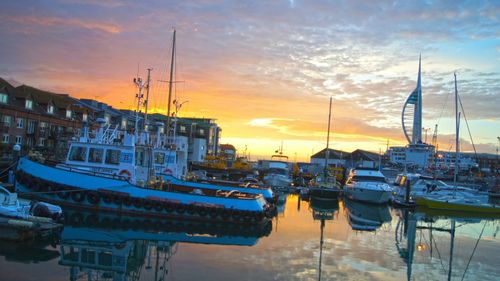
{"x":54,"y":21}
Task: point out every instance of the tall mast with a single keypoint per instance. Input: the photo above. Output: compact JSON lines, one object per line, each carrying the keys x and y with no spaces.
{"x":172,"y":61}
{"x":138,"y":83}
{"x":147,"y":99}
{"x":457,"y":128}
{"x":327,"y":151}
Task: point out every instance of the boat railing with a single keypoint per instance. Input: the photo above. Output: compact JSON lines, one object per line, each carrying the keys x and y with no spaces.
{"x":90,"y":172}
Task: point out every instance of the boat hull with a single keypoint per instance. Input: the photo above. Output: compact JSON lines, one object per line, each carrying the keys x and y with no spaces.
{"x":455,"y":205}
{"x":367,"y":195}
{"x":83,"y":191}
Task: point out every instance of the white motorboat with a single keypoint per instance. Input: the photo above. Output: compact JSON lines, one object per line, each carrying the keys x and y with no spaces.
{"x":367,"y":185}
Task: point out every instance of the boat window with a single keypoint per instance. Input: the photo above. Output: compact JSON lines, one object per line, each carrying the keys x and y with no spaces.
{"x":112,"y":156}
{"x":159,"y":157}
{"x":142,"y":157}
{"x":95,"y":155}
{"x":78,"y":153}
{"x":369,"y":178}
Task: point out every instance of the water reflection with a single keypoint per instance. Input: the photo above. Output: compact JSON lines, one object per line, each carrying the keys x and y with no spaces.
{"x":316,"y":240}
{"x":107,"y":247}
{"x":365,"y":216}
{"x":322,"y":210}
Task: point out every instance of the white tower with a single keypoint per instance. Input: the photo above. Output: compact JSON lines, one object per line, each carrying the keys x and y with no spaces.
{"x":415,"y":98}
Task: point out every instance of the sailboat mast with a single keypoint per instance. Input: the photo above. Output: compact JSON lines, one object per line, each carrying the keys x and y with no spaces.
{"x":457,"y":127}
{"x":172,"y":61}
{"x":327,"y":151}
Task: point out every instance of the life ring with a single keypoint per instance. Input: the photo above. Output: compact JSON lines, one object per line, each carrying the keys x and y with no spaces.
{"x":93,"y":197}
{"x":225,"y":214}
{"x":77,"y":196}
{"x":167,"y":171}
{"x":126,"y":174}
{"x":76,"y":218}
{"x":127,"y":200}
{"x":213,"y":212}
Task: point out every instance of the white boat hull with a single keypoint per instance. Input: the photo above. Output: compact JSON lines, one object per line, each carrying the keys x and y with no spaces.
{"x":367,"y":195}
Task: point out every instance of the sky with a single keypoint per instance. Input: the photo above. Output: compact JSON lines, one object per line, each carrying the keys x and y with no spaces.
{"x":265,"y":70}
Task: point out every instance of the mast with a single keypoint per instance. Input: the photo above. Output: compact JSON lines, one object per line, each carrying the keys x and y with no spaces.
{"x":327,"y":151}
{"x":138,"y":83}
{"x":147,"y":99}
{"x":170,"y":82}
{"x":457,"y":128}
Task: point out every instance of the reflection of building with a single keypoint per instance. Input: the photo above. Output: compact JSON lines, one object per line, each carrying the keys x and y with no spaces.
{"x":338,"y":158}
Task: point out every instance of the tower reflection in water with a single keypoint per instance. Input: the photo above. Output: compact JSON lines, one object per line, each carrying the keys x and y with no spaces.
{"x":121,"y":248}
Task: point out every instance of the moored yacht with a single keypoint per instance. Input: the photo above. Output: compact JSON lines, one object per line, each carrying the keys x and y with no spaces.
{"x":367,"y":185}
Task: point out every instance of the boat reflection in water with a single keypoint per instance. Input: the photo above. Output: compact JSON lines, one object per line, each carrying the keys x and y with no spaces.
{"x":366,"y":216}
{"x":427,"y":225}
{"x":120,"y":248}
{"x":322,"y":210}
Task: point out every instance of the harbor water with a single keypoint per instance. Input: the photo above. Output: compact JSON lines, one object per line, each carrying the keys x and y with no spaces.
{"x":307,"y":240}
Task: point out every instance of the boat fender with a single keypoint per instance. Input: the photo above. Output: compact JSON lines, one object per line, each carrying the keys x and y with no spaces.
{"x":169,"y":207}
{"x":213,"y":212}
{"x":126,"y":174}
{"x":63,"y":194}
{"x":93,"y":197}
{"x":190,"y":209}
{"x":181,"y":208}
{"x":137,"y":202}
{"x":158,"y":206}
{"x":127,"y":200}
{"x":225,"y":214}
{"x":117,"y":199}
{"x":77,"y":196}
{"x":202,"y":211}
{"x":107,"y":198}
{"x":147,"y":204}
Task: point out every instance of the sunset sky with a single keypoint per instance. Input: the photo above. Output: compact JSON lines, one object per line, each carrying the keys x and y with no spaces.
{"x":266,"y":69}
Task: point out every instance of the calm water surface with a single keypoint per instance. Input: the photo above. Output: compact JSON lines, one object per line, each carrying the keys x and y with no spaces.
{"x":307,"y":241}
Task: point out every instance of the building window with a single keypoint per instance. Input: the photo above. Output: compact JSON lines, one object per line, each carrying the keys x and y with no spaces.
{"x":3,"y":98}
{"x":85,"y":117}
{"x":7,"y":120}
{"x":41,"y":142}
{"x":28,"y":104}
{"x":19,"y":140}
{"x":5,"y":138}
{"x":20,"y":123}
{"x":31,"y":127}
{"x":159,"y":158}
{"x":68,"y":113}
{"x":29,"y":142}
{"x":50,"y":109}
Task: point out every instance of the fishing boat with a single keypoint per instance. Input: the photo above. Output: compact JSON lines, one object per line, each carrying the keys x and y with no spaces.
{"x":459,"y":201}
{"x":367,"y":185}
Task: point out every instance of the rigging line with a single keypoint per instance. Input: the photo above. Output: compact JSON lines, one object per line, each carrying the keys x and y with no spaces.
{"x":444,"y":106}
{"x":468,"y":129}
{"x":473,"y":251}
{"x":439,"y":254}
